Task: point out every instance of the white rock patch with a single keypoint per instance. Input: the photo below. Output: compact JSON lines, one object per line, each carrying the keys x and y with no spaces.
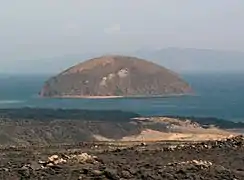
{"x":103,"y":82}
{"x":111,"y":76}
{"x":123,"y":73}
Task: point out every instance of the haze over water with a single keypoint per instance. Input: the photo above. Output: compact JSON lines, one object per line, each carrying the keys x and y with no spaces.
{"x":216,"y":95}
{"x":49,"y":36}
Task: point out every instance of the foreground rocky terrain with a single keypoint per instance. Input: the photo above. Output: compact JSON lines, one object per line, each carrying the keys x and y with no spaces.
{"x":78,"y":144}
{"x":157,"y":160}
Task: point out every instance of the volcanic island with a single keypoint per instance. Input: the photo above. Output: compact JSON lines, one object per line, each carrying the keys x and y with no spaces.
{"x":113,"y":77}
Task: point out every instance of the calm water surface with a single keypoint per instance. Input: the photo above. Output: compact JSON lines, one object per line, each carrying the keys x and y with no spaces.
{"x":216,"y":95}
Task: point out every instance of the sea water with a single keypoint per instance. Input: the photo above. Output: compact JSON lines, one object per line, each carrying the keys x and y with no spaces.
{"x":216,"y":95}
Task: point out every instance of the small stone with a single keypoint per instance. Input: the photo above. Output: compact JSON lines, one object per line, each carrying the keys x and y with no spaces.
{"x":35,"y":166}
{"x":80,"y":178}
{"x":172,"y":148}
{"x":42,"y":162}
{"x":111,"y":174}
{"x":143,"y":144}
{"x":195,"y":161}
{"x":53,"y":158}
{"x":59,"y":161}
{"x":97,"y":172}
{"x":50,"y":164}
{"x":5,"y":169}
{"x":125,"y":174}
{"x":25,"y":171}
{"x":132,"y":171}
{"x":25,"y":167}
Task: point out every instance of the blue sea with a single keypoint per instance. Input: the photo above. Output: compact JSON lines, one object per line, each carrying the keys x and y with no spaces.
{"x":216,"y":95}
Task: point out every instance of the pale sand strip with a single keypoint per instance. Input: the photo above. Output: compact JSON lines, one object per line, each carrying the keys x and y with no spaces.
{"x":113,"y":97}
{"x":152,"y":135}
{"x":87,"y":97}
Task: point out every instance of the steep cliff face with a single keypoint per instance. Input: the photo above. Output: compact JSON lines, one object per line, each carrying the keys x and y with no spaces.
{"x":114,"y":76}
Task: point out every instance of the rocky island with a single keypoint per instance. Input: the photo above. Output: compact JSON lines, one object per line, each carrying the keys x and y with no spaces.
{"x":115,"y":76}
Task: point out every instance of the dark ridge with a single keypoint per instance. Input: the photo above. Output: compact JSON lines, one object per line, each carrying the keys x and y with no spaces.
{"x":212,"y":121}
{"x":51,"y":114}
{"x":104,"y":115}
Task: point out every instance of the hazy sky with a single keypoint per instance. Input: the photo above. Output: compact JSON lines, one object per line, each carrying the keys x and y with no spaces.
{"x":36,"y":29}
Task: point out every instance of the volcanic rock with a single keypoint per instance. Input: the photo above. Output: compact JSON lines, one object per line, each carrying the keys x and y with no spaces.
{"x":191,"y":161}
{"x":115,"y":76}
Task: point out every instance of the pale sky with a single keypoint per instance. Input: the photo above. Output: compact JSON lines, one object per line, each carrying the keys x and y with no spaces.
{"x":39,"y":29}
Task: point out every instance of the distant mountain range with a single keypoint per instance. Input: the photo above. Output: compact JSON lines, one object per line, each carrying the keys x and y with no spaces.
{"x":180,"y":60}
{"x":196,"y":60}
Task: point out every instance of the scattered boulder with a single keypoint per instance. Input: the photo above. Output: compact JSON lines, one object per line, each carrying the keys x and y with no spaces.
{"x":52,"y":161}
{"x":232,"y":142}
{"x":55,"y":160}
{"x":84,"y":158}
{"x":200,"y":163}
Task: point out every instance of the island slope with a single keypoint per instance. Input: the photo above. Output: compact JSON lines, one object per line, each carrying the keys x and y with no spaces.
{"x":115,"y":76}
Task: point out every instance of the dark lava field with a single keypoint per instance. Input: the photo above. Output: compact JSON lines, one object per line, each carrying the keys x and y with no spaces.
{"x":162,"y":160}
